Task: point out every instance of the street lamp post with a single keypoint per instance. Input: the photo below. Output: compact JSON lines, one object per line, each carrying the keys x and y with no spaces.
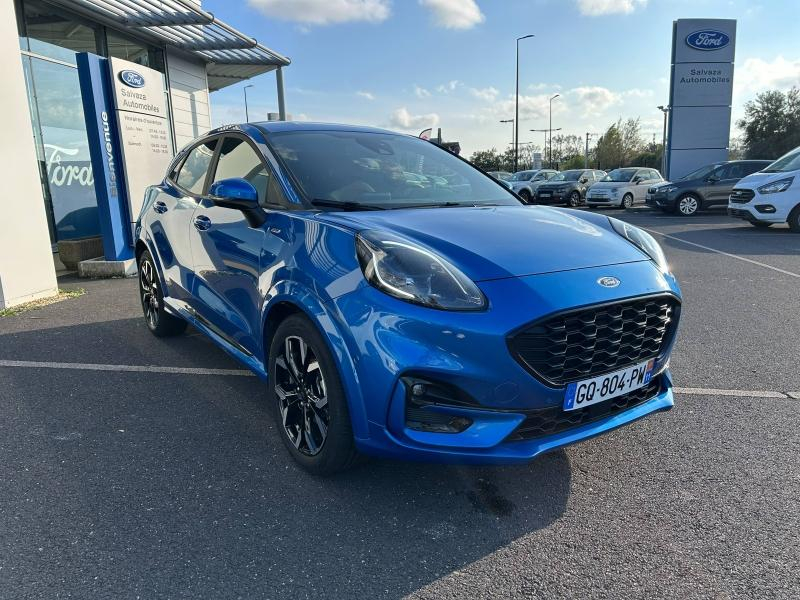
{"x":586,"y":155}
{"x":513,"y":127}
{"x":246,"y":112}
{"x":516,"y":107}
{"x":665,"y":110}
{"x":550,"y":160}
{"x":546,"y":131}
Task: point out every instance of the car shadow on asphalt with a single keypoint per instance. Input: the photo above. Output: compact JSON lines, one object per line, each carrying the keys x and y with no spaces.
{"x":178,"y":485}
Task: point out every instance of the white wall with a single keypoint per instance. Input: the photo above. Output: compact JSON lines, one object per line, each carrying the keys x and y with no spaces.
{"x":191,"y":113}
{"x":27,"y":271}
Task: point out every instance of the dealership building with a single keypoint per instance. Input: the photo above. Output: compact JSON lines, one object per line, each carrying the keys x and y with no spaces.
{"x":51,"y":188}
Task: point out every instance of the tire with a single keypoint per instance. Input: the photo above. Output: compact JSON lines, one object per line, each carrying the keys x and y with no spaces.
{"x":525,"y":195}
{"x":627,"y":201}
{"x":760,"y":224}
{"x":159,"y":321}
{"x":688,"y":205}
{"x":794,"y":219}
{"x":310,"y":404}
{"x":574,"y":199}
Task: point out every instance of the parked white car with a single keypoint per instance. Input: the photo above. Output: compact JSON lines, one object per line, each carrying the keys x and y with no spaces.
{"x":623,"y":187}
{"x":770,"y":196}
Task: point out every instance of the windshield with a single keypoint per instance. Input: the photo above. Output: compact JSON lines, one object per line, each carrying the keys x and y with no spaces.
{"x":522,"y":175}
{"x":787,"y":162}
{"x":620,"y":175}
{"x":377,"y":170}
{"x":700,"y":173}
{"x":567,"y":176}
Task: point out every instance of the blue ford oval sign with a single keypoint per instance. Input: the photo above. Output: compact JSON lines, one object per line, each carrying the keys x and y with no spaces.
{"x":708,"y":39}
{"x":609,"y":282}
{"x":131,"y":78}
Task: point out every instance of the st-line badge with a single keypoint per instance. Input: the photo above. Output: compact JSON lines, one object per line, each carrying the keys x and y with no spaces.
{"x":131,"y":78}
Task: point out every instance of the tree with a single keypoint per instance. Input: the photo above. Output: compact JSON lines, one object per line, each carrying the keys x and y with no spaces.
{"x":488,"y":160}
{"x":608,"y":151}
{"x":771,"y":124}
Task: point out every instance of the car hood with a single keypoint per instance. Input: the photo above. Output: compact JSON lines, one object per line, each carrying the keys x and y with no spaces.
{"x":502,"y":241}
{"x":610,"y":185}
{"x":758,"y":179}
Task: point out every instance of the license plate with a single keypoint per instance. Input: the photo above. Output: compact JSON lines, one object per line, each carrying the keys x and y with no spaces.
{"x":545,"y":194}
{"x":598,"y":389}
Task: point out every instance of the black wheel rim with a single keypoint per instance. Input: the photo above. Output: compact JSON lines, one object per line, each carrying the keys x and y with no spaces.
{"x":302,"y":396}
{"x":574,"y":199}
{"x":148,"y":288}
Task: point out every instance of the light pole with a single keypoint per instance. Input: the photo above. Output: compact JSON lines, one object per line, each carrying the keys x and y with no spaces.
{"x":546,"y":131}
{"x":586,"y":156}
{"x":665,"y":110}
{"x":550,"y":160}
{"x":246,"y":113}
{"x":516,"y":106}
{"x":512,"y":127}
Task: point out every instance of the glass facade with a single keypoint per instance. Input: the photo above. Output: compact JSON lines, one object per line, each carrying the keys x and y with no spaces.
{"x":49,"y":41}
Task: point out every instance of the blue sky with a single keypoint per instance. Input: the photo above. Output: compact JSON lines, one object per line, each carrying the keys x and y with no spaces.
{"x":409,"y":64}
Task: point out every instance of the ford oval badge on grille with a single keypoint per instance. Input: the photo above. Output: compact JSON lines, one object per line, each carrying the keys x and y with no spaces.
{"x":609,"y":282}
{"x":131,"y":78}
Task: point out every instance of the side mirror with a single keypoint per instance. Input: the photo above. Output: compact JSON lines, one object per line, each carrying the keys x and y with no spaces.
{"x":238,"y":194}
{"x":712,"y":179}
{"x":637,"y":180}
{"x":584,"y":180}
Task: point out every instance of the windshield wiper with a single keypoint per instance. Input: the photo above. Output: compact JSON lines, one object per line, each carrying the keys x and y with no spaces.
{"x":345,"y":205}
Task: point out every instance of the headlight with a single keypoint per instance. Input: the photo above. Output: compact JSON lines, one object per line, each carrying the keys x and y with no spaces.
{"x":667,"y":189}
{"x":642,"y":240}
{"x":408,"y":272}
{"x":776,"y":186}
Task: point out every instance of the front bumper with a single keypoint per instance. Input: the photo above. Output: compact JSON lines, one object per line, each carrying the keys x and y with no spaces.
{"x":551,"y":197}
{"x":469,"y":352}
{"x":772,"y":208}
{"x":659,"y":200}
{"x":603,"y":201}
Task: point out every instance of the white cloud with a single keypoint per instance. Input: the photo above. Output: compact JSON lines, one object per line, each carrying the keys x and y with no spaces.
{"x":594,"y":8}
{"x":757,"y":75}
{"x":594,"y":100}
{"x":324,"y":12}
{"x":421,"y":92}
{"x":454,"y":14}
{"x":366,"y":95}
{"x":638,"y":93}
{"x":402,"y":119}
{"x":530,"y":107}
{"x":538,"y":87}
{"x":448,"y":87}
{"x":489,"y":94}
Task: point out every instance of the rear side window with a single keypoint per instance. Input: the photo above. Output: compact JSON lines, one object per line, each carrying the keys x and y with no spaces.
{"x":237,"y":158}
{"x":192,"y":175}
{"x":750,"y":168}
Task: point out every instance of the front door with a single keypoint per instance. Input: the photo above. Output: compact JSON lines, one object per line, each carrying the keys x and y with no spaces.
{"x":227,"y":252}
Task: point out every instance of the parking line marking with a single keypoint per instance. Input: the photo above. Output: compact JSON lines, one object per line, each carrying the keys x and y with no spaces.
{"x":728,"y":254}
{"x":693,"y":391}
{"x":127,"y":368}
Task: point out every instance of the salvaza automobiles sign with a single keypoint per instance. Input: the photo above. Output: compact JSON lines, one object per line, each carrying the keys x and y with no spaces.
{"x":708,"y":39}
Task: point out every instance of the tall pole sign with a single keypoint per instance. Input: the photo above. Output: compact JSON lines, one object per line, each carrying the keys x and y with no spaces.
{"x":701,"y":90}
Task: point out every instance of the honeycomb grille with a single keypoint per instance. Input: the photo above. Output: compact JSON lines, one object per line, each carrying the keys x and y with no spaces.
{"x":595,"y":340}
{"x":548,"y":421}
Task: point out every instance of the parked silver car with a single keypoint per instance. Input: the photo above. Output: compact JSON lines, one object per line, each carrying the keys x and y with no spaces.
{"x":623,"y":187}
{"x":525,"y":183}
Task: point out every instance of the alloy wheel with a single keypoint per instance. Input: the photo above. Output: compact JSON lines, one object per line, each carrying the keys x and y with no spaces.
{"x":627,"y":201}
{"x":688,"y":205}
{"x":302,"y":396}
{"x":574,"y":199}
{"x":148,"y":289}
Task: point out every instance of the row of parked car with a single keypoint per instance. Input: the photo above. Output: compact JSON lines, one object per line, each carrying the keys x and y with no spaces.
{"x":747,"y":188}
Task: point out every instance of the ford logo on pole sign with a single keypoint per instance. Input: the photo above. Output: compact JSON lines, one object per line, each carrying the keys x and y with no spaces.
{"x":131,"y":78}
{"x":708,"y":39}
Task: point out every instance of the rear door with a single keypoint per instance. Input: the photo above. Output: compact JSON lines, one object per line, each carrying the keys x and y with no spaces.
{"x":174,"y":206}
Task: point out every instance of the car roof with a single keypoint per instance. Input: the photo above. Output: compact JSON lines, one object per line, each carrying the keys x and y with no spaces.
{"x":281,"y":126}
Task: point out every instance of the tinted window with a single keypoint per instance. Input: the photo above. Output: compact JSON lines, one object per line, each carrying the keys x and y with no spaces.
{"x":237,"y":158}
{"x":192,"y":175}
{"x":732,"y":171}
{"x":752,"y":167}
{"x":381,"y":169}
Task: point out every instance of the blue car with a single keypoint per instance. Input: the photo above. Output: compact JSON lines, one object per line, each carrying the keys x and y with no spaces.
{"x":432,"y":317}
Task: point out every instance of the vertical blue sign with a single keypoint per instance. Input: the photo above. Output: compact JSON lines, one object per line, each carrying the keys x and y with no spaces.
{"x":104,"y":150}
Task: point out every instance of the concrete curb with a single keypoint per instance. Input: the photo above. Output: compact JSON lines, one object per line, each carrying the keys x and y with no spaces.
{"x":101,"y":268}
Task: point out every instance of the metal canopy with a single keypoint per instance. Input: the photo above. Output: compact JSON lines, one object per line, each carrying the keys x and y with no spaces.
{"x":231,"y":56}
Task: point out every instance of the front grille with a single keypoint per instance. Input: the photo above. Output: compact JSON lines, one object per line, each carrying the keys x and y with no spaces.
{"x":742,"y":196}
{"x":547,"y":421}
{"x":591,"y":341}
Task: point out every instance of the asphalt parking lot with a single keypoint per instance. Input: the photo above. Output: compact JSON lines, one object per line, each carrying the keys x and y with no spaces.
{"x":164,"y":479}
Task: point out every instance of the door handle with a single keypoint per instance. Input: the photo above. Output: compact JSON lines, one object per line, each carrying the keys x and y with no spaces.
{"x":160,"y":207}
{"x":202,"y":223}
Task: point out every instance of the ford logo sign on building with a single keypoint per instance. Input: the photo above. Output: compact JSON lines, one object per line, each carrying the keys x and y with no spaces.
{"x":708,"y":39}
{"x":131,"y":78}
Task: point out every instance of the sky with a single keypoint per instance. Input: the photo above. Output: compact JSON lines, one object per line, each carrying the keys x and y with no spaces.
{"x":410,"y":64}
